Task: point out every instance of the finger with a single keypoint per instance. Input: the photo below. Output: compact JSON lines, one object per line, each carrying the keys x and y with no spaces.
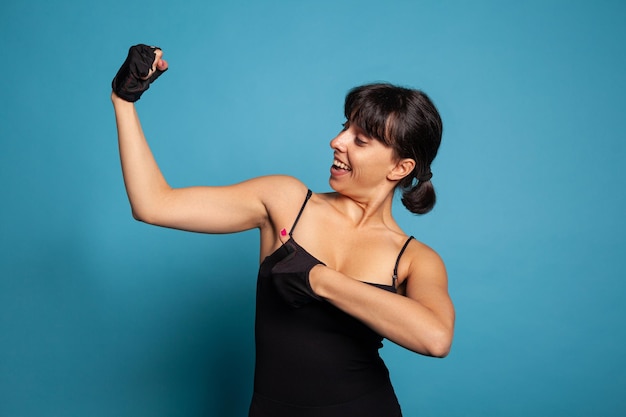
{"x":162,"y":65}
{"x":157,"y":64}
{"x":158,"y":55}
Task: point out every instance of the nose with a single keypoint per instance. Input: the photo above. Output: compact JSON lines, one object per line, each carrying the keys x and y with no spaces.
{"x":339,"y":142}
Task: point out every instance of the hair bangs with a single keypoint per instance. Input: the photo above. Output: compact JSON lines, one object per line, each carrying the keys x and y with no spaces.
{"x":369,"y":115}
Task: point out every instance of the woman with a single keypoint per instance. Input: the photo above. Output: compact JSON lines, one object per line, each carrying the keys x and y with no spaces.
{"x":337,"y":273}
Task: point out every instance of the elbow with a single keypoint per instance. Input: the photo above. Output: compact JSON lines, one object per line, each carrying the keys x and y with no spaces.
{"x":136,"y":214}
{"x":143,"y":216}
{"x":439,"y":344}
{"x":149,"y":208}
{"x":441,"y":351}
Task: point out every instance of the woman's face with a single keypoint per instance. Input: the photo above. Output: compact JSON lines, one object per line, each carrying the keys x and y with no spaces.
{"x":361,"y":164}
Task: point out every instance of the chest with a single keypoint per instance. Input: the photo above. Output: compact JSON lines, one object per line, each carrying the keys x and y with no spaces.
{"x":367,"y":254}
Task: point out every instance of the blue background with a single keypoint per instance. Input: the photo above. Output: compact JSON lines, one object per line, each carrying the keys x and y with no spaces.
{"x":104,"y":316}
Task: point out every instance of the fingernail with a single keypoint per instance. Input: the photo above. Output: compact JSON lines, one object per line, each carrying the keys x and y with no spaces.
{"x":283,"y":232}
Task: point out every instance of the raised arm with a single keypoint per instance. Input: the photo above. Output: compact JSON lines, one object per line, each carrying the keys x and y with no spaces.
{"x":225,"y":209}
{"x":199,"y":209}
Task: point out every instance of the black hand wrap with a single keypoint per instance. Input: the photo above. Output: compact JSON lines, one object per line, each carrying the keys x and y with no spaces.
{"x":291,"y":276}
{"x":131,"y":79}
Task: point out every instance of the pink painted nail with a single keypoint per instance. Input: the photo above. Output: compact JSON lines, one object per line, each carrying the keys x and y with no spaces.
{"x":283,"y":232}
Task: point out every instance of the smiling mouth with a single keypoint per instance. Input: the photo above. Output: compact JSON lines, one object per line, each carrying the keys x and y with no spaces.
{"x":340,"y":165}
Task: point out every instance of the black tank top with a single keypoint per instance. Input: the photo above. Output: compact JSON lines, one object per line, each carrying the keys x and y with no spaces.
{"x":316,"y":361}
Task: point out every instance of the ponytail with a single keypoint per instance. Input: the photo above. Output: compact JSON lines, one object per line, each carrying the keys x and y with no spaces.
{"x":419,"y":198}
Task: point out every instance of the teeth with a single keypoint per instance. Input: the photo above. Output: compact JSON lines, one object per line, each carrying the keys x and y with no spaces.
{"x":341,"y":165}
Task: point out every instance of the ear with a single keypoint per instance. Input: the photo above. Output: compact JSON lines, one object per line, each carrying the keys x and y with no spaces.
{"x":403,"y":168}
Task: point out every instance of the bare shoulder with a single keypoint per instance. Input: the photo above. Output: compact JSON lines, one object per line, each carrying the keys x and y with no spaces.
{"x":278,"y":183}
{"x":282,"y":197}
{"x":424,"y":257}
{"x":427,"y":281}
{"x":423,"y":265}
{"x":280,"y":191}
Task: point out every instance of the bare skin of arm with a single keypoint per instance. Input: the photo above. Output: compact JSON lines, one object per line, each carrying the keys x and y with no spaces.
{"x":422,"y":320}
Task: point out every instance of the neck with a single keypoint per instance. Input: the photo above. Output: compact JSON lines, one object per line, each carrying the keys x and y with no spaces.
{"x":366,"y":210}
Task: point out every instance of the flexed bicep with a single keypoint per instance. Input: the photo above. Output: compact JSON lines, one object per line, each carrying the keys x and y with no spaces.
{"x":211,"y":209}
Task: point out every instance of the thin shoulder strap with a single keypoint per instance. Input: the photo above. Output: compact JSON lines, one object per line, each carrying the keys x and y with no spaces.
{"x":306,"y":200}
{"x":395,"y":269}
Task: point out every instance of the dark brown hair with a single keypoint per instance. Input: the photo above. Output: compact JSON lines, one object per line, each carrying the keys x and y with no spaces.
{"x":407,"y":121}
